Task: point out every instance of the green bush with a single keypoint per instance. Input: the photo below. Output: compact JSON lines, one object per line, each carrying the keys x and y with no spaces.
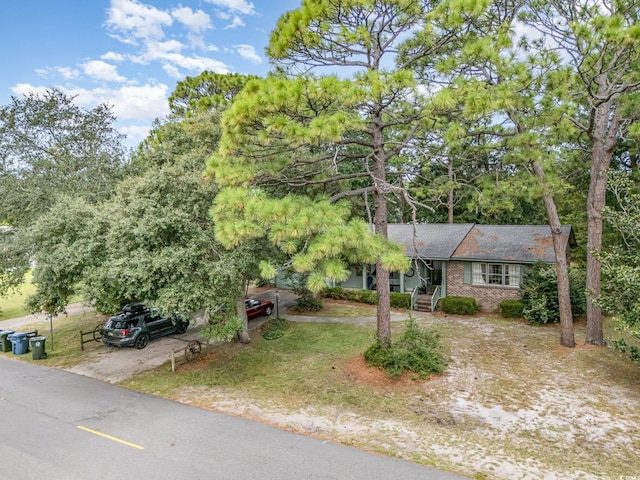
{"x":540,"y":294}
{"x":353,"y":295}
{"x":418,"y":350}
{"x":511,"y":308}
{"x":365,"y":296}
{"x":370,"y":297}
{"x":459,"y":305}
{"x":274,"y":328}
{"x":400,"y":300}
{"x":335,"y":293}
{"x":307,"y":302}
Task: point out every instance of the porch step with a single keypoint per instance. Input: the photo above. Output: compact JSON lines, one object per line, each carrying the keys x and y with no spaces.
{"x":423,"y":303}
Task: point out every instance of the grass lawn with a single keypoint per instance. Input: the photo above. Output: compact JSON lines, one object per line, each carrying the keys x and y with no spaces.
{"x":12,"y":306}
{"x":66,"y":350}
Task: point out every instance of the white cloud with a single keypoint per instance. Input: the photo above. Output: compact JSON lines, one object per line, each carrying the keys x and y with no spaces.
{"x":141,"y":103}
{"x":159,"y":50}
{"x":248,"y":53}
{"x":173,"y":72}
{"x":27,"y":88}
{"x":237,"y":22}
{"x":113,"y":56}
{"x":241,"y":6}
{"x":135,"y":133}
{"x":130,"y":17}
{"x":102,"y":71}
{"x":67,"y":73}
{"x":196,"y":22}
{"x":197,"y":63}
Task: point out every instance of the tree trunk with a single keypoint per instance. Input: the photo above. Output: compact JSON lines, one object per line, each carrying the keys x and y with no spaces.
{"x":241,"y":311}
{"x":380,"y":223}
{"x":604,"y":138}
{"x":450,"y":199}
{"x":567,"y":336}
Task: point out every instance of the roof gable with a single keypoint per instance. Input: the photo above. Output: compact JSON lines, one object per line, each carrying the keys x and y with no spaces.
{"x":468,"y":241}
{"x":435,"y":241}
{"x":510,"y":243}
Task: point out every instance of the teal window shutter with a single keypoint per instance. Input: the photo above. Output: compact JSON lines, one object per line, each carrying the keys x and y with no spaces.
{"x":467,"y":272}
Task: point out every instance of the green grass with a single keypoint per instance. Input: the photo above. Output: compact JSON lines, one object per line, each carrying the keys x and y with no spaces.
{"x":299,"y":369}
{"x":332,"y":308}
{"x":66,"y":350}
{"x":12,"y":306}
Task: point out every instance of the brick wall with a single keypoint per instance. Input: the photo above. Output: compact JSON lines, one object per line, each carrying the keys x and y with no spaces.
{"x":487,"y":297}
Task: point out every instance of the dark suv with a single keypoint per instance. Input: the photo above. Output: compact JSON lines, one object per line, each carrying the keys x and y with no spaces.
{"x":137,"y":324}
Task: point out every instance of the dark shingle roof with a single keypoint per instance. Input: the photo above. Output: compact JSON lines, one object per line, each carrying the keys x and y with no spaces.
{"x":435,"y":241}
{"x":466,"y":241}
{"x":510,"y":243}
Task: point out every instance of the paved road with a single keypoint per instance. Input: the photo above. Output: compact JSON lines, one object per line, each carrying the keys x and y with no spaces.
{"x":60,"y":426}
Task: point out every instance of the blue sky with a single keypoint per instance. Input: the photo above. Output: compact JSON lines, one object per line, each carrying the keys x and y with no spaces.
{"x":129,"y":53}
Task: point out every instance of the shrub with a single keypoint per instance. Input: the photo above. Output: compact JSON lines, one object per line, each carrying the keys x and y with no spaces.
{"x":365,"y":296}
{"x":370,"y":297}
{"x":354,"y":295}
{"x":400,"y":300}
{"x":511,"y":308}
{"x":307,"y":302}
{"x":459,"y":305}
{"x":335,"y":293}
{"x":274,"y":328}
{"x":540,"y":294}
{"x":418,"y":350}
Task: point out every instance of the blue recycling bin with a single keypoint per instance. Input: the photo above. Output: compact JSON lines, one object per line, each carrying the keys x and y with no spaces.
{"x":5,"y":344}
{"x":20,"y":343}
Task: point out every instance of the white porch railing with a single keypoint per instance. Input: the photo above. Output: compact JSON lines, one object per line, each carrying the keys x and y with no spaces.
{"x":414,"y":298}
{"x":435,"y":297}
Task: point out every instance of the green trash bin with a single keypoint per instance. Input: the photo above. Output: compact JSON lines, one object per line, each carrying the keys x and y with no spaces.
{"x":37,"y":347}
{"x":5,"y":343}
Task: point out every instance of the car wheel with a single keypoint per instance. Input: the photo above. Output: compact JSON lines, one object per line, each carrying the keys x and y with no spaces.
{"x":182,"y":327}
{"x":141,"y":341}
{"x":267,"y":311}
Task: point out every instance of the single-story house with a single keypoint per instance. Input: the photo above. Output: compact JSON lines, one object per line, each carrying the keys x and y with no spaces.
{"x":486,"y":262}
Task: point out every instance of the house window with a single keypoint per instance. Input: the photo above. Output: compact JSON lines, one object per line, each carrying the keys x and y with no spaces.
{"x":503,"y":274}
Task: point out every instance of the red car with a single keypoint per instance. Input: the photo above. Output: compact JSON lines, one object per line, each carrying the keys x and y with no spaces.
{"x":258,"y":308}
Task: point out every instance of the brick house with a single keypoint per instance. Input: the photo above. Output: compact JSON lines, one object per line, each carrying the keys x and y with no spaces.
{"x":486,"y":262}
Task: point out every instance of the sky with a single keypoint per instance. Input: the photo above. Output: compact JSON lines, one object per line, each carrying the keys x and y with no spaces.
{"x":130,"y":54}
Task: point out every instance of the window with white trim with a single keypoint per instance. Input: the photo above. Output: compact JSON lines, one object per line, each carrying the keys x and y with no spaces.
{"x":503,"y":274}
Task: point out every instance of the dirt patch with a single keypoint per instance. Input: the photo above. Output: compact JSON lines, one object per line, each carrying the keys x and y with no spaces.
{"x":511,"y":405}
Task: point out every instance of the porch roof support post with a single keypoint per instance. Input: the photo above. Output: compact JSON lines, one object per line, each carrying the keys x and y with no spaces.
{"x":443,"y":282}
{"x":401,"y":282}
{"x":364,"y":277}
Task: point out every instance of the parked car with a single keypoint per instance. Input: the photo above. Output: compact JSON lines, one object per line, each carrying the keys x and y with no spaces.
{"x":258,"y":308}
{"x":137,"y":324}
{"x":255,"y":308}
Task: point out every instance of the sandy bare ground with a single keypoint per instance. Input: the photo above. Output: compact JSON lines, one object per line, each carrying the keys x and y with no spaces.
{"x":512,"y":405}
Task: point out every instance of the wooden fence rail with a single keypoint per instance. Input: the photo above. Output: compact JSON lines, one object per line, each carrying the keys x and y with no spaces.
{"x":95,"y":335}
{"x":188,"y":353}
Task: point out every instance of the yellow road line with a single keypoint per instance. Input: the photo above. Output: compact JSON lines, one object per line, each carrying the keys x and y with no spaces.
{"x":115,"y":439}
